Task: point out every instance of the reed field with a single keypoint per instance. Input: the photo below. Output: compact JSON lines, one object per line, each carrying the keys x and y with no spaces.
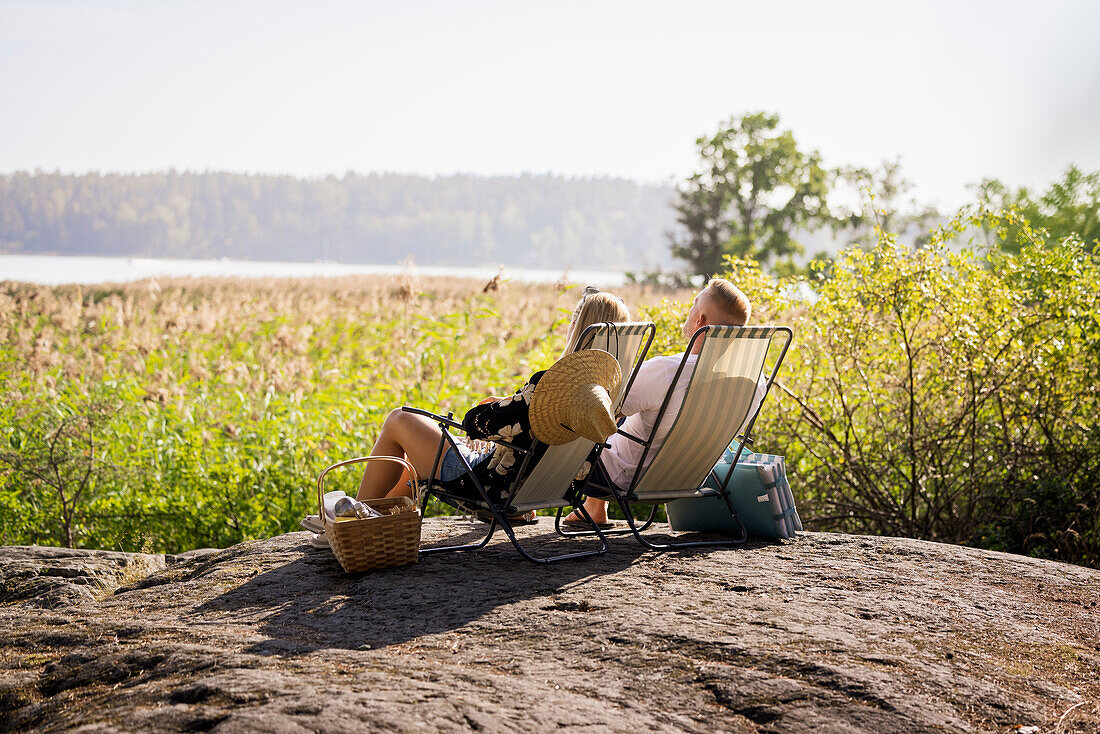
{"x":167,"y":415}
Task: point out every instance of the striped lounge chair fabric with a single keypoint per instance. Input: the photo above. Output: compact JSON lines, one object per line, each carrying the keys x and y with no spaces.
{"x":733,"y":364}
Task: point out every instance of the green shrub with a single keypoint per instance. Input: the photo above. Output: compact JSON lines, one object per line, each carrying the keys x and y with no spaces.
{"x":945,"y":395}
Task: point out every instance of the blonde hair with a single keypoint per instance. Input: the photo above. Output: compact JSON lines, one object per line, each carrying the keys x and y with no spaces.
{"x":730,"y":301}
{"x":595,"y":309}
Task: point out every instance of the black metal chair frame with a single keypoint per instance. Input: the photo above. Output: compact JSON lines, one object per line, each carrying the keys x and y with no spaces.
{"x":502,"y":510}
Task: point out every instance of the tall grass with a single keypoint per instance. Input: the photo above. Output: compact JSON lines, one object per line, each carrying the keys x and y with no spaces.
{"x":166,"y":415}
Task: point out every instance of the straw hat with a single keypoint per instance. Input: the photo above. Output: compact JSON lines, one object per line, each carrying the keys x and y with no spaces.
{"x":573,"y":398}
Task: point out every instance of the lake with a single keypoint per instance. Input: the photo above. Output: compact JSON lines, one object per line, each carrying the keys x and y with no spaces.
{"x":61,"y":269}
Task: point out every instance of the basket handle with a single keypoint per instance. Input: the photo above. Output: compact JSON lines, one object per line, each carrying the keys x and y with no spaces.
{"x":357,"y":460}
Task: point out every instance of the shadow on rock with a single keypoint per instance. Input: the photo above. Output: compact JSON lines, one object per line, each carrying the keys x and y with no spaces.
{"x":310,"y":603}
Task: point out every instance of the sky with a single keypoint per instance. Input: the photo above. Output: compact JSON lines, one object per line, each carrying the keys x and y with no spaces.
{"x":960,"y":90}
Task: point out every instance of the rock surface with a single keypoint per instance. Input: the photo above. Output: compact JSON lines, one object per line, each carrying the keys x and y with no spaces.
{"x":829,"y":633}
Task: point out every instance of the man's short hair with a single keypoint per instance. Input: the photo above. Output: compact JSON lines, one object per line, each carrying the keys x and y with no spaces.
{"x":730,"y":301}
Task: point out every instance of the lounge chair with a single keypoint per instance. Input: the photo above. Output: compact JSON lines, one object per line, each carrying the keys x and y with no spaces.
{"x":718,"y":402}
{"x":544,"y":484}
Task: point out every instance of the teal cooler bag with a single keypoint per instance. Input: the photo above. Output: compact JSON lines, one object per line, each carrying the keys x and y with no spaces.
{"x":755,"y":493}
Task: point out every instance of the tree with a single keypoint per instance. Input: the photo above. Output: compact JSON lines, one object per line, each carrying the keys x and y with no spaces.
{"x":884,"y":191}
{"x":1070,"y":206}
{"x":754,"y":190}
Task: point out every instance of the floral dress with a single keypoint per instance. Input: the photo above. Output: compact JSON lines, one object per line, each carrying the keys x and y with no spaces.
{"x":499,"y":420}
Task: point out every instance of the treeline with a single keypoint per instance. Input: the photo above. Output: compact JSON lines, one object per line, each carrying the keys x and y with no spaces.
{"x":537,"y":221}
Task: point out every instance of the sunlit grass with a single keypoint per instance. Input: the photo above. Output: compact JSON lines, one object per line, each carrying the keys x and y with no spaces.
{"x":215,"y":403}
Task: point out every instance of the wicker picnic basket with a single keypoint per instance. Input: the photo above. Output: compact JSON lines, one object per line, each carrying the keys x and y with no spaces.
{"x":365,"y":544}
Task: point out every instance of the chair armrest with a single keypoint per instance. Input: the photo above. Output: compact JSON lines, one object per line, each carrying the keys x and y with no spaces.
{"x":631,"y":436}
{"x":447,"y":420}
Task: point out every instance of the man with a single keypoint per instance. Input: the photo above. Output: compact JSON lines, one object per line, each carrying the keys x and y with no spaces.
{"x":719,"y":303}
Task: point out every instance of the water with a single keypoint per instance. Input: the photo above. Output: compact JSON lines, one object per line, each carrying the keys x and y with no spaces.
{"x":61,"y":269}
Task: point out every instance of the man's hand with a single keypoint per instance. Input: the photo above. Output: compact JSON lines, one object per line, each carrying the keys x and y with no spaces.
{"x":491,"y":399}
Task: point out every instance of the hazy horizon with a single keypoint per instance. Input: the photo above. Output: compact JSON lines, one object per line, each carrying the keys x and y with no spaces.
{"x":335,"y":174}
{"x":611,"y":90}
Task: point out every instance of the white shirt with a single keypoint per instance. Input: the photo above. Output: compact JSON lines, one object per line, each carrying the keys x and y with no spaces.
{"x":641,"y":406}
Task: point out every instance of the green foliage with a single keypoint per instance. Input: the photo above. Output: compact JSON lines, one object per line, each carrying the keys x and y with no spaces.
{"x":1070,"y":207}
{"x":931,"y":393}
{"x":948,"y":396}
{"x":754,"y":189}
{"x":55,"y":458}
{"x":668,"y":315}
{"x":163,"y":419}
{"x":890,"y":208}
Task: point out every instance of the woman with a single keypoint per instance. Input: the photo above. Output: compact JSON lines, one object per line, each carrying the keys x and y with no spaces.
{"x":416,"y":437}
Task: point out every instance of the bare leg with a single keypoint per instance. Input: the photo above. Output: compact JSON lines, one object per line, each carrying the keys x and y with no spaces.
{"x":405,"y":435}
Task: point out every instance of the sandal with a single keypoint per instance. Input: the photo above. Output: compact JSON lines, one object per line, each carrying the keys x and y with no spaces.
{"x":527,"y":518}
{"x":312,"y":523}
{"x":580,"y":522}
